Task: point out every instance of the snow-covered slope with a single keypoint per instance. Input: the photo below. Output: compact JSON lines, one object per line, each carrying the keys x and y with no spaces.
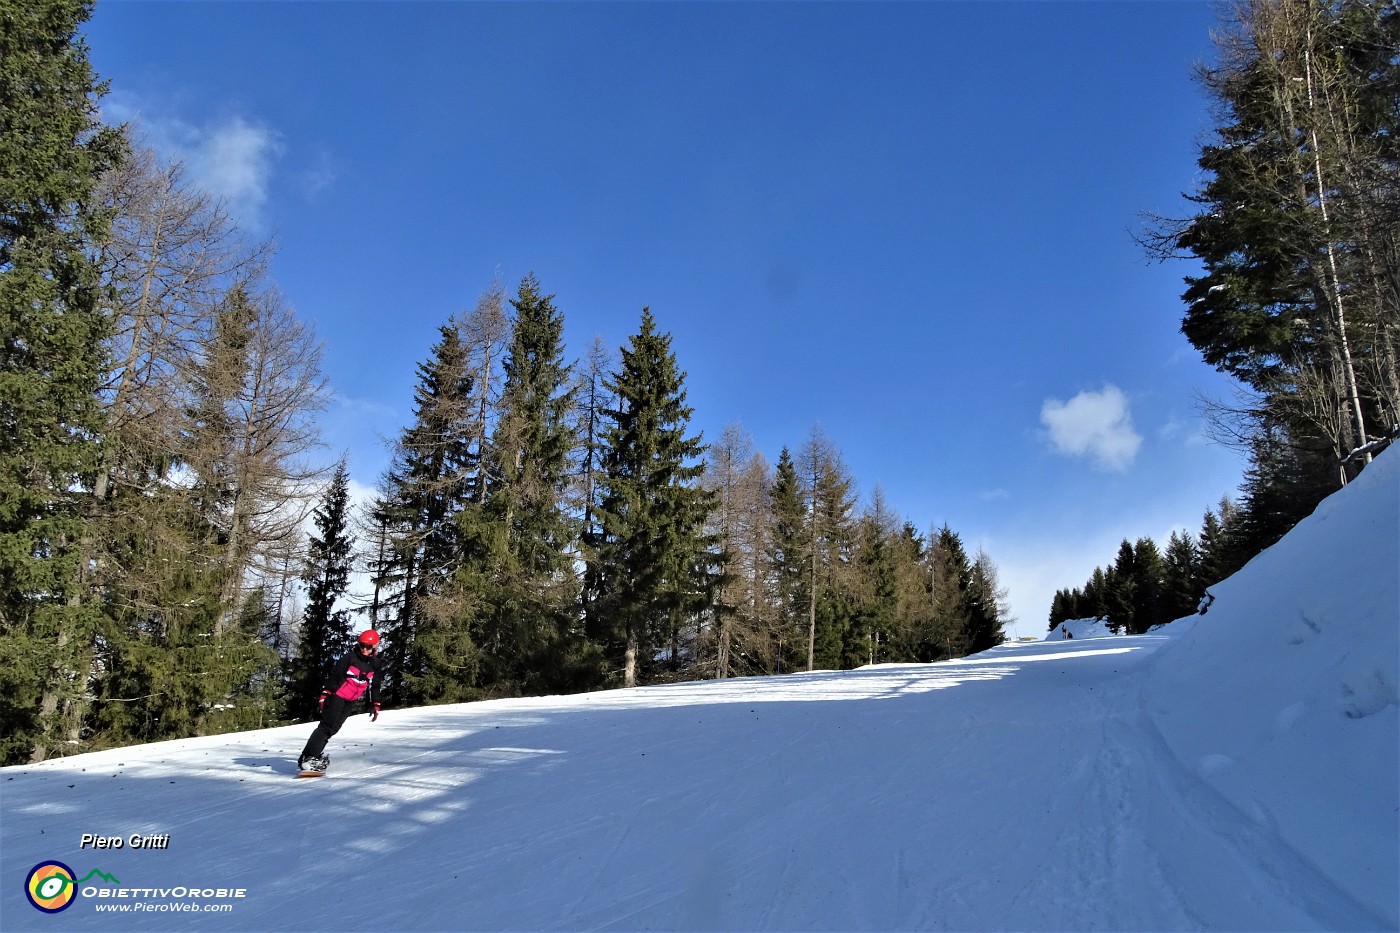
{"x":1237,"y":771}
{"x":1282,"y":699}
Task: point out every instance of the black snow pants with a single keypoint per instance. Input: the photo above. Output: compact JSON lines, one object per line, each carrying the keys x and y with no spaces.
{"x":333,"y":716}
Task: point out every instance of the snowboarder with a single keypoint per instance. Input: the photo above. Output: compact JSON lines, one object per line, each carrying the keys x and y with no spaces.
{"x":352,"y":678}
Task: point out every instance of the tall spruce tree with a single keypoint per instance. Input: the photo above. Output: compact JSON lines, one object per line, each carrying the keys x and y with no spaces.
{"x":325,"y":630}
{"x":517,"y":582}
{"x":1095,"y":603}
{"x":1149,"y":602}
{"x":164,"y":608}
{"x":874,"y":619}
{"x":52,"y":152}
{"x":1181,"y":584}
{"x":656,"y":563}
{"x":1220,"y":551}
{"x":789,"y":556}
{"x":1065,"y":606}
{"x":950,"y":576}
{"x":430,"y":481}
{"x":986,"y":601}
{"x":1120,"y":596}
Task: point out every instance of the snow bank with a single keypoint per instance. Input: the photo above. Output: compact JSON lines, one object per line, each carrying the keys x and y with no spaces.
{"x":1284,"y":697}
{"x":1080,"y":628}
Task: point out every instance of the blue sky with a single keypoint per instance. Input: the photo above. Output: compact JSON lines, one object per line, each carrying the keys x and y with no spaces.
{"x":908,"y":223}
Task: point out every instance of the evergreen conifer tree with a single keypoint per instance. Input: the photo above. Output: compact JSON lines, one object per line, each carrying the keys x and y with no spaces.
{"x":1220,"y":552}
{"x":986,"y":615}
{"x":950,"y":575}
{"x":656,"y":564}
{"x":1065,"y":606}
{"x":869,"y":636}
{"x":52,"y":153}
{"x":430,"y":481}
{"x":1120,"y":597}
{"x":325,"y":630}
{"x":1278,"y":491}
{"x":789,"y":556}
{"x":517,"y":580}
{"x":1149,"y":605}
{"x":1095,"y":603}
{"x":1297,"y":233}
{"x":165,"y":610}
{"x":911,"y":593}
{"x":1181,"y":585}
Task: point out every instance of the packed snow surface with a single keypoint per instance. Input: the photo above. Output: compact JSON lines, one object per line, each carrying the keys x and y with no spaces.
{"x":1233,"y":771}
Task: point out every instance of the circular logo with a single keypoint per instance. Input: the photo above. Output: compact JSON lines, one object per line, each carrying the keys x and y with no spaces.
{"x":50,"y":887}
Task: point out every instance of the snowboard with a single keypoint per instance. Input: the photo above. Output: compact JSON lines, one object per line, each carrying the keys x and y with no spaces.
{"x":310,"y":774}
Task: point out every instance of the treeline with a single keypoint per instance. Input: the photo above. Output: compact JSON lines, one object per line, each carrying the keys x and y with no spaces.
{"x":543,"y":526}
{"x":1148,"y":585}
{"x":1298,"y":235}
{"x":551,"y":527}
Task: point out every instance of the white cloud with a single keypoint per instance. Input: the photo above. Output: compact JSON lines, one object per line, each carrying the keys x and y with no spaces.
{"x":1093,"y":424}
{"x":234,"y":160}
{"x":231,"y":158}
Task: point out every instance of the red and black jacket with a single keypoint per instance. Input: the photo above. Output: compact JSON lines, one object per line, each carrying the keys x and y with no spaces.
{"x":355,"y":677}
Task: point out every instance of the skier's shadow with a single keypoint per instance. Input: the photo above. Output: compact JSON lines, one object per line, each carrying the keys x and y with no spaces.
{"x":275,"y":765}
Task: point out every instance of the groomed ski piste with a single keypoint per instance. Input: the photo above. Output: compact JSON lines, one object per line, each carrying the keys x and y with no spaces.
{"x":1232,"y":771}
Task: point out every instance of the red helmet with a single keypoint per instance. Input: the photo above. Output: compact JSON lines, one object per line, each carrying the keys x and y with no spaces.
{"x":369,"y":637}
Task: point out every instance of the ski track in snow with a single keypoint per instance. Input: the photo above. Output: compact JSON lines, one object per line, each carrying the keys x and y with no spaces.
{"x":1288,"y":885}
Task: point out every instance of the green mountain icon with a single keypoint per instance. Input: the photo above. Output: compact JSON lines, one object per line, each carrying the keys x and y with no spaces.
{"x":101,"y":874}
